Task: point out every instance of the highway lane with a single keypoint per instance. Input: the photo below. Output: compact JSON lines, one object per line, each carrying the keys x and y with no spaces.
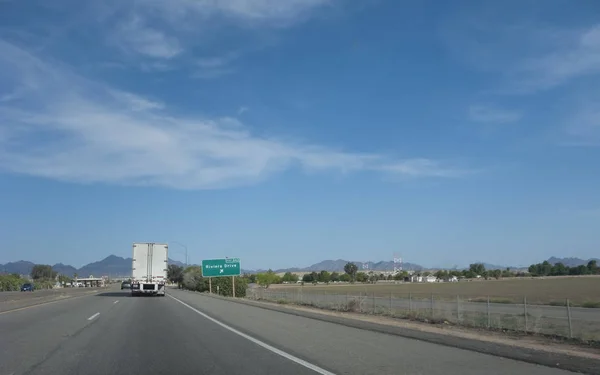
{"x":113,"y":333}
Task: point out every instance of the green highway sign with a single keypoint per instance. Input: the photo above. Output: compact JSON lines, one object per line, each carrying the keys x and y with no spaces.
{"x":221,"y":267}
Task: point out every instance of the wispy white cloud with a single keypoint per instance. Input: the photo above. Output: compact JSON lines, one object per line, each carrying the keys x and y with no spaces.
{"x":259,"y":12}
{"x":135,"y":36}
{"x":579,"y":58}
{"x":73,"y":129}
{"x":242,"y":109}
{"x":215,"y":66}
{"x":491,"y":115}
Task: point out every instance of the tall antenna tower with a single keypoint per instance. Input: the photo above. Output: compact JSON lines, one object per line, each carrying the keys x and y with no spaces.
{"x":397,"y":263}
{"x":365,"y":266}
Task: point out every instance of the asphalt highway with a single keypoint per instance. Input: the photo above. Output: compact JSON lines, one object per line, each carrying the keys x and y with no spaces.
{"x":188,"y":333}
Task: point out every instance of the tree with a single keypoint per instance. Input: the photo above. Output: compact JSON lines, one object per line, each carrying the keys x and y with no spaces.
{"x":592,"y":267}
{"x":175,"y":274}
{"x":477,"y":268}
{"x":192,"y":279}
{"x":362,"y":277}
{"x":289,"y":277}
{"x":345,"y":278}
{"x":307,"y":278}
{"x":43,"y":272}
{"x":497,"y":274}
{"x":441,"y":274}
{"x":334,"y":276}
{"x":400,"y":276}
{"x":314,"y":277}
{"x":267,"y":278}
{"x":351,"y":269}
{"x":324,"y":277}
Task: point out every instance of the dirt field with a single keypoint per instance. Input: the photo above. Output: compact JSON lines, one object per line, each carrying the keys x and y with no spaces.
{"x":581,"y":291}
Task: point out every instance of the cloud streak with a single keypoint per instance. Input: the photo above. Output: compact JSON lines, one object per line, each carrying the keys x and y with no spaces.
{"x":72,"y":129}
{"x":491,"y":115}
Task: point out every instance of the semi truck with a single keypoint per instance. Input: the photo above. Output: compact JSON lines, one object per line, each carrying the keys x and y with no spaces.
{"x":149,"y":269}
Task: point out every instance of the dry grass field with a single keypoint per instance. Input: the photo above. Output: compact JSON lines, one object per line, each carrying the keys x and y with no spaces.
{"x":581,"y":291}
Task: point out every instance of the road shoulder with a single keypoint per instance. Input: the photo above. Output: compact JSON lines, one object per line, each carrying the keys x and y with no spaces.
{"x":565,"y":357}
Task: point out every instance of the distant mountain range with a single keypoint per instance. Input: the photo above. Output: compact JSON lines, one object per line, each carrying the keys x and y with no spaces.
{"x":338,"y":265}
{"x":114,"y":265}
{"x":111,"y":265}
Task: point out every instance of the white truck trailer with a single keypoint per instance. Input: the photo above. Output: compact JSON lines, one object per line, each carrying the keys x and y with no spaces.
{"x":149,"y":269}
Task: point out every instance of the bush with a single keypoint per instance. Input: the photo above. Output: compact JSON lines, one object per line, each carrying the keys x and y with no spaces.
{"x":225,"y":289}
{"x":9,"y":283}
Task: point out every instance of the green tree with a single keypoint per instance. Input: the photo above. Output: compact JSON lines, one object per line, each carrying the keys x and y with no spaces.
{"x":362,"y":277}
{"x":307,"y":278}
{"x":192,"y":279}
{"x":477,"y":268}
{"x":43,"y":272}
{"x":351,"y":269}
{"x":441,"y":274}
{"x":267,"y":278}
{"x":175,"y":274}
{"x":345,"y":278}
{"x":289,"y":277}
{"x":334,"y":276}
{"x":324,"y":277}
{"x":592,"y":267}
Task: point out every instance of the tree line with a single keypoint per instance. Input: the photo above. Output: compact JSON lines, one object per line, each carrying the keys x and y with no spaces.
{"x":559,"y":269}
{"x":43,"y":277}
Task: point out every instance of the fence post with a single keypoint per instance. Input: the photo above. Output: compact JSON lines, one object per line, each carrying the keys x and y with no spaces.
{"x":569,"y":316}
{"x":391,"y":297}
{"x":409,"y":302}
{"x":489,"y":320}
{"x":373,"y":302}
{"x":457,"y":309}
{"x":431,"y":305}
{"x":360,"y":301}
{"x":525,"y":311}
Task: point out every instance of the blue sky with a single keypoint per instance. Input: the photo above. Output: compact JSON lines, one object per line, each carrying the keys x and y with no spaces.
{"x":286,"y":133}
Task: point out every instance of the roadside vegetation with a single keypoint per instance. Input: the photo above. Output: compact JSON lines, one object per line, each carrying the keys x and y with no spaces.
{"x":191,"y":278}
{"x":42,"y":276}
{"x":499,"y":286}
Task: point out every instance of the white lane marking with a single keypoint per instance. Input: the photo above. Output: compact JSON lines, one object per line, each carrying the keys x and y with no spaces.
{"x":94,"y":316}
{"x":117,"y":301}
{"x":292,"y":358}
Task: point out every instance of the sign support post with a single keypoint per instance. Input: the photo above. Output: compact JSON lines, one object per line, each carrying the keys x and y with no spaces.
{"x":210,"y":285}
{"x":233,"y":285}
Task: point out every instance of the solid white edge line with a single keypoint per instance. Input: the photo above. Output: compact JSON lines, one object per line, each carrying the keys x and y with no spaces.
{"x":292,"y":358}
{"x":94,"y":316}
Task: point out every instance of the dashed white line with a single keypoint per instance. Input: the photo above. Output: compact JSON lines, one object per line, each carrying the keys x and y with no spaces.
{"x":94,"y":316}
{"x":292,"y":358}
{"x":117,"y":301}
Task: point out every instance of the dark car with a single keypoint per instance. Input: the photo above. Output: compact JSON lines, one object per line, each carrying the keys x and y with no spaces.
{"x":27,"y":288}
{"x":125,"y":285}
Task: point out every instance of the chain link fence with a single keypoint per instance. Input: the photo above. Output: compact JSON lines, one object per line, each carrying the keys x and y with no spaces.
{"x":490,"y":313}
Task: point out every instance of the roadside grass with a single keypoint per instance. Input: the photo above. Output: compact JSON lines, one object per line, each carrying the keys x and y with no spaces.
{"x":581,"y":291}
